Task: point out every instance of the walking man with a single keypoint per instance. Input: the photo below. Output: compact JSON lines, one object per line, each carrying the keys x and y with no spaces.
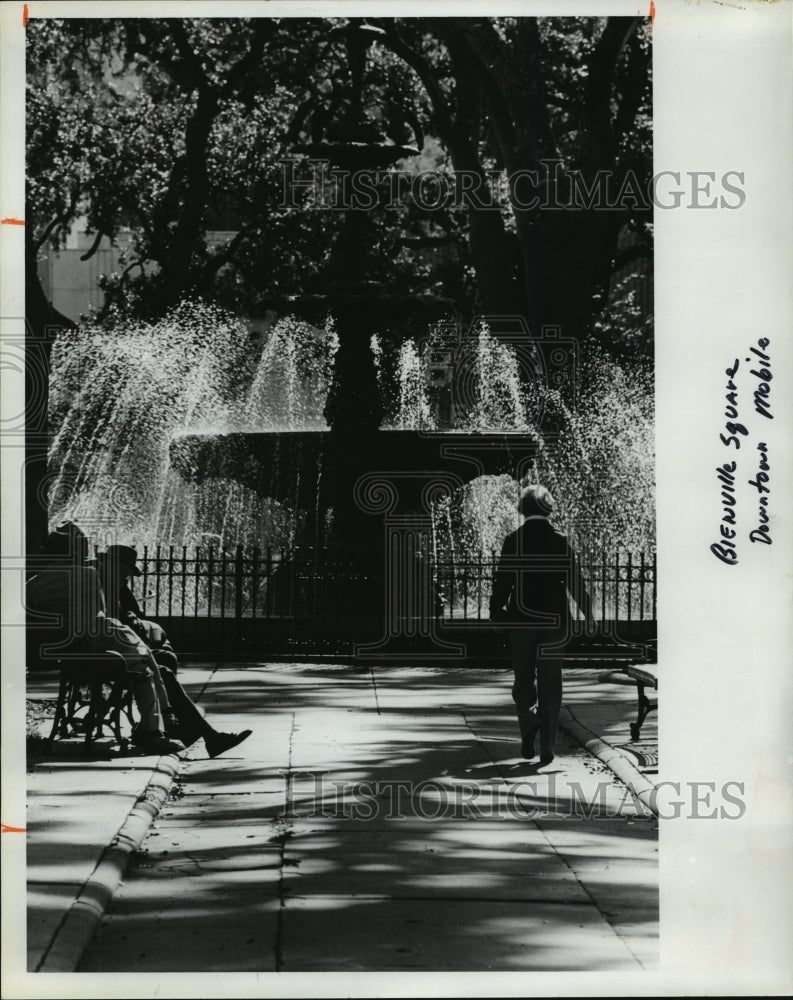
{"x":535,"y":572}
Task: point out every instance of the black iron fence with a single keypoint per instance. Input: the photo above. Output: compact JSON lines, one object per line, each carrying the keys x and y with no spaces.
{"x":269,"y":584}
{"x":621,"y":586}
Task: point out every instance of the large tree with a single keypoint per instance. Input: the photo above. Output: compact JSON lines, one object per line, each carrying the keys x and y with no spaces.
{"x":556,"y":97}
{"x":177,"y":127}
{"x":168,"y":128}
{"x":174,"y":129}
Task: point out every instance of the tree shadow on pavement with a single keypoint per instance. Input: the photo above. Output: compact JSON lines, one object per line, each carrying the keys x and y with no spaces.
{"x":369,"y":826}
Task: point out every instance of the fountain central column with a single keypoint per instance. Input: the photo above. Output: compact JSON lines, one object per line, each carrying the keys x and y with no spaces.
{"x":353,"y":404}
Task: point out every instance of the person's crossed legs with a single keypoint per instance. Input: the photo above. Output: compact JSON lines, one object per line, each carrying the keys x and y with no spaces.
{"x":170,"y":720}
{"x":189,"y":725}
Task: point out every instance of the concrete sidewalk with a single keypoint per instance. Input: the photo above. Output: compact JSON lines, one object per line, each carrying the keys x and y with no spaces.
{"x":269,"y":832}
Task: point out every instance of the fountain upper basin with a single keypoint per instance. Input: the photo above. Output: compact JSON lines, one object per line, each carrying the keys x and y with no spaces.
{"x":295,"y":466}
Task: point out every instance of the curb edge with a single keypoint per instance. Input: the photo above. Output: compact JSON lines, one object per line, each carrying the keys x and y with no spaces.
{"x":77,"y":928}
{"x":616,"y":761}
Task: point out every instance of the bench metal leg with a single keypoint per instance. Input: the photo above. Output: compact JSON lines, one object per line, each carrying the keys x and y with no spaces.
{"x":645,"y":707}
{"x":119,"y":702}
{"x":59,"y":723}
{"x":100,"y":711}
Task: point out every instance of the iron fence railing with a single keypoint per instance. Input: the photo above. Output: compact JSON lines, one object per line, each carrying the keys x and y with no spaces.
{"x":252,"y":583}
{"x":621,"y":585}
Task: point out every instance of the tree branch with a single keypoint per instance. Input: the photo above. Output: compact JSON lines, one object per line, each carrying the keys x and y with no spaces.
{"x":597,"y":101}
{"x":191,"y":60}
{"x":476,"y":54}
{"x":49,"y":230}
{"x":217,"y":260}
{"x":421,"y":67}
{"x":61,"y":220}
{"x":262,"y":29}
{"x":94,"y":246}
{"x":638,"y":64}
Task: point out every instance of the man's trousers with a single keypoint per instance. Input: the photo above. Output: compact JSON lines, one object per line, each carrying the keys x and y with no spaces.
{"x":537,"y":661}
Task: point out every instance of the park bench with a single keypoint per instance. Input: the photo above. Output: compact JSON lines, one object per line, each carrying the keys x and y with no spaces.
{"x":93,"y":694}
{"x":626,"y":663}
{"x":94,"y":691}
{"x":645,"y":675}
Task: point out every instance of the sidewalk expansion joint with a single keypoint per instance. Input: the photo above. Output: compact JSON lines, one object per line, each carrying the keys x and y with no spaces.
{"x":374,"y":688}
{"x":538,"y":825}
{"x":284,"y":833}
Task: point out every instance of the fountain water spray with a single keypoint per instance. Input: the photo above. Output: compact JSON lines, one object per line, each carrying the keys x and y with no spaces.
{"x":122,"y":394}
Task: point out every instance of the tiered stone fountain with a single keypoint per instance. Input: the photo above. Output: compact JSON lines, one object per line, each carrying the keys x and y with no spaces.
{"x":356,"y":469}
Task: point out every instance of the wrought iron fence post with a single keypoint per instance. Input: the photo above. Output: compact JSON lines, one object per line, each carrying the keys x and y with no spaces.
{"x":157,"y":581}
{"x":269,"y":579}
{"x":642,"y":571}
{"x":256,"y":555}
{"x":630,"y":584}
{"x":170,"y":580}
{"x":238,"y":578}
{"x":210,"y":568}
{"x":655,"y":584}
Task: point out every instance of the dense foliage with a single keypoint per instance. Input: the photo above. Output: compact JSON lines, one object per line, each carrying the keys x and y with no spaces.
{"x":175,"y":129}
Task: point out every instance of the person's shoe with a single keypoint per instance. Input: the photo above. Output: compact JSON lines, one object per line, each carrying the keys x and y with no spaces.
{"x":546,"y":757}
{"x":176,"y":731}
{"x":218,"y":743}
{"x":158,"y":743}
{"x":172,"y":724}
{"x":527,"y":744}
{"x":188,"y":738}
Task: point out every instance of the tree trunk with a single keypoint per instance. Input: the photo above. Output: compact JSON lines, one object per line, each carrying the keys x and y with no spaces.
{"x":495,"y":261}
{"x":42,"y":324}
{"x":187,"y":202}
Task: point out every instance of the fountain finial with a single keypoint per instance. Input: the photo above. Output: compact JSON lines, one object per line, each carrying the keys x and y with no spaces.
{"x":358,"y":36}
{"x":353,"y":141}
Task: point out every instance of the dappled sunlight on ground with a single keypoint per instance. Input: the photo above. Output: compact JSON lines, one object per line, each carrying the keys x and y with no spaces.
{"x":378,"y":820}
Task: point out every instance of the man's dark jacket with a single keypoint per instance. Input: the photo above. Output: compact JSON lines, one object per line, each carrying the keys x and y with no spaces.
{"x":536,"y":569}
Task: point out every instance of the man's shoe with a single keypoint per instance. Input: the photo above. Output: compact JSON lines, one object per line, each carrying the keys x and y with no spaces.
{"x":527,"y":743}
{"x":172,"y":724}
{"x":188,"y":738}
{"x":175,"y":730}
{"x":158,"y":743}
{"x":546,"y":757}
{"x":218,"y":743}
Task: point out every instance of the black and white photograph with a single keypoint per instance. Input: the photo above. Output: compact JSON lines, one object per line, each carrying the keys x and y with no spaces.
{"x":393,"y":396}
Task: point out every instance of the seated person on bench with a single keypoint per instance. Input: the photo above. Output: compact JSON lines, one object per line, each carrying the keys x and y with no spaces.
{"x":116,"y":569}
{"x":64,"y":585}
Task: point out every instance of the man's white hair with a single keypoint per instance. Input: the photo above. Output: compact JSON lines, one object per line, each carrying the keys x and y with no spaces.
{"x":535,"y":499}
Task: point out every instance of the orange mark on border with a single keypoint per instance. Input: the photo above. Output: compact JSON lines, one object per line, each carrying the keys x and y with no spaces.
{"x":652,"y":10}
{"x":12,"y":222}
{"x":14,"y":829}
{"x":25,"y":16}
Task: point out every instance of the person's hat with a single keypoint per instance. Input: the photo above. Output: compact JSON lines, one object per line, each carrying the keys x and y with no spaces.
{"x":535,"y":499}
{"x":123,"y":556}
